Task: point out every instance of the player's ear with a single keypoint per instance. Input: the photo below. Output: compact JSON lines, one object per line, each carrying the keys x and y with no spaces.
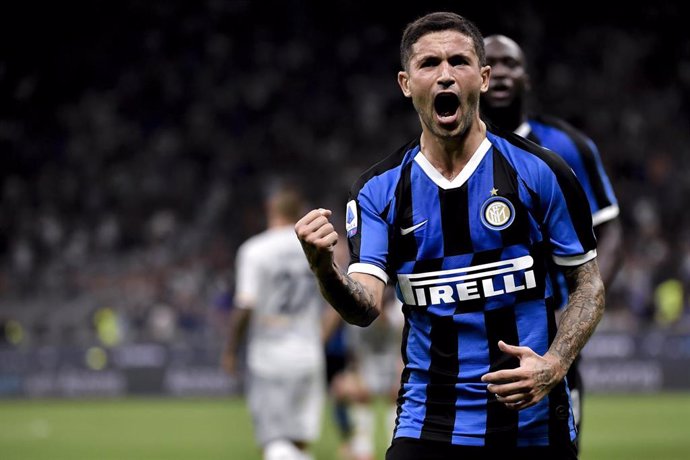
{"x":404,"y":82}
{"x":486,"y":75}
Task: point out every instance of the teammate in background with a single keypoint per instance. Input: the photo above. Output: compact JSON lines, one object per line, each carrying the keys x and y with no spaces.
{"x":466,"y":221}
{"x":278,"y":305}
{"x":506,"y":105}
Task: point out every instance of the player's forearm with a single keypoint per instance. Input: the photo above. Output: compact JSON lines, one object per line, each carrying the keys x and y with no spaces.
{"x":239,"y":321}
{"x":582,"y":314}
{"x":352,"y":300}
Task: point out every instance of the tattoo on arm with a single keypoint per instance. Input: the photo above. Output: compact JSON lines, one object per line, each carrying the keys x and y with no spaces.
{"x":353,"y":301}
{"x":583,"y":312}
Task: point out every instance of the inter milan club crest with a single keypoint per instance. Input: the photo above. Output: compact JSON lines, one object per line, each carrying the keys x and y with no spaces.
{"x":497,"y":212}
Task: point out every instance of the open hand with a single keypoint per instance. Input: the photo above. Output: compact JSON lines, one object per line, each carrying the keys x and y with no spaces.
{"x":527,"y":384}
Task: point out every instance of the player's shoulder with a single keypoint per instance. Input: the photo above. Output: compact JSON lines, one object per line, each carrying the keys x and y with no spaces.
{"x":518,"y":148}
{"x":524,"y":155}
{"x":560,"y":125}
{"x":272,"y":247}
{"x":387,"y":165}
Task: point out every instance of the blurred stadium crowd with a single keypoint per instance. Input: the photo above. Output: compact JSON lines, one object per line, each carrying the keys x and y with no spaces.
{"x":137,"y":142}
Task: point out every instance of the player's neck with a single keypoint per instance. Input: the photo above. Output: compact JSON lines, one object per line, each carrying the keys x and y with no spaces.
{"x":278,"y":222}
{"x":450,"y":155}
{"x":507,"y":118}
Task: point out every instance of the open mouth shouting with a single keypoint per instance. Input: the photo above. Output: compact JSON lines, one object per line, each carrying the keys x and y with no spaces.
{"x":446,"y":107}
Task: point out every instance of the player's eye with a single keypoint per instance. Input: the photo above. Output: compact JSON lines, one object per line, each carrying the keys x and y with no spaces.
{"x":428,"y":62}
{"x":457,"y":60}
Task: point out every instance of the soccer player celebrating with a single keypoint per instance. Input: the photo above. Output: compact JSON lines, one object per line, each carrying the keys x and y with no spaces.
{"x":465,"y":221}
{"x":505,"y":104}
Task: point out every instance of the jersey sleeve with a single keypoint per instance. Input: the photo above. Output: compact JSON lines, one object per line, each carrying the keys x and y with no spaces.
{"x":582,"y":154}
{"x":567,"y":215}
{"x":604,"y":205}
{"x":247,"y":269}
{"x":367,"y":231}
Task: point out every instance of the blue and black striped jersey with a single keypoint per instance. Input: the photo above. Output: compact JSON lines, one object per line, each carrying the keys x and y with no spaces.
{"x":469,"y":258}
{"x":583,"y":157}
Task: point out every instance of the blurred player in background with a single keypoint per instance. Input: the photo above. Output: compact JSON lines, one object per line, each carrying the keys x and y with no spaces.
{"x":279,"y":306}
{"x":506,"y":105}
{"x":372,"y":374}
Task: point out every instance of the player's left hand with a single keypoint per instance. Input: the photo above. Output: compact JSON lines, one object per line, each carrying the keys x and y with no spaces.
{"x":527,"y":384}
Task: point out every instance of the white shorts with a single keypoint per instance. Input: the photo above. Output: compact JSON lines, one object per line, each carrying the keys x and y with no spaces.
{"x":287,"y":407}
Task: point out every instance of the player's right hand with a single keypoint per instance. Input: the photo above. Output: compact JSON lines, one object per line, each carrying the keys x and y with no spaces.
{"x":318,"y":238}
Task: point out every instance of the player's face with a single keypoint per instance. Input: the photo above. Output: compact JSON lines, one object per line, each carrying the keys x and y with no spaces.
{"x":509,"y":80}
{"x":444,"y":81}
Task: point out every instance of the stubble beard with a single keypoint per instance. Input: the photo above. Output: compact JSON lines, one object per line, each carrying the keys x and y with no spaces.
{"x":464,"y":122}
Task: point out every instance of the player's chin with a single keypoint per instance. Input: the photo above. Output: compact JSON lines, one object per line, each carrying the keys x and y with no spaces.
{"x":498,"y":102}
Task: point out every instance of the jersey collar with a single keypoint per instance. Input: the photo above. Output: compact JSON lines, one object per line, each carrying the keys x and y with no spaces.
{"x":464,"y":175}
{"x":523,"y":130}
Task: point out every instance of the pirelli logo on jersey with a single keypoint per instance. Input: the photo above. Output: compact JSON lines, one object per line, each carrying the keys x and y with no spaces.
{"x":469,"y":283}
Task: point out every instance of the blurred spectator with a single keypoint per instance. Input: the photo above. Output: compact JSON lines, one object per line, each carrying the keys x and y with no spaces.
{"x":133,"y":159}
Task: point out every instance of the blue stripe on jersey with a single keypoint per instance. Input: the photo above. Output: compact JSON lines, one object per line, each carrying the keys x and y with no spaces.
{"x":473,"y":357}
{"x":373,"y":232}
{"x":414,"y":390}
{"x":533,"y":429}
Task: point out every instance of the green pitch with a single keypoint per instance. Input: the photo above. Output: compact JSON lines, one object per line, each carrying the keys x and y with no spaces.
{"x":627,"y":427}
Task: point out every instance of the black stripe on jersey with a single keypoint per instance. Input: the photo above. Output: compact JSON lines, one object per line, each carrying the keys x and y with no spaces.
{"x":479,"y":258}
{"x":501,"y":422}
{"x":541,"y":262}
{"x":405,"y":375}
{"x":455,"y":221}
{"x":506,"y":182}
{"x":441,"y":394}
{"x":405,"y":245}
{"x":574,"y":195}
{"x":559,"y":406}
{"x":587,"y":155}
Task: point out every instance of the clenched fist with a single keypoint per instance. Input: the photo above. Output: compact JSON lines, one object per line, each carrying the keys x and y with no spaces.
{"x":318,"y":238}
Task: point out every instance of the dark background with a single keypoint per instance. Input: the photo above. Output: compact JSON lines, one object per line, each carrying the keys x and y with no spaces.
{"x":138,"y":138}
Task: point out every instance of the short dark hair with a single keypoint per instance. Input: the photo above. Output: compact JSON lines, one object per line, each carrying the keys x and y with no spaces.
{"x":437,"y":22}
